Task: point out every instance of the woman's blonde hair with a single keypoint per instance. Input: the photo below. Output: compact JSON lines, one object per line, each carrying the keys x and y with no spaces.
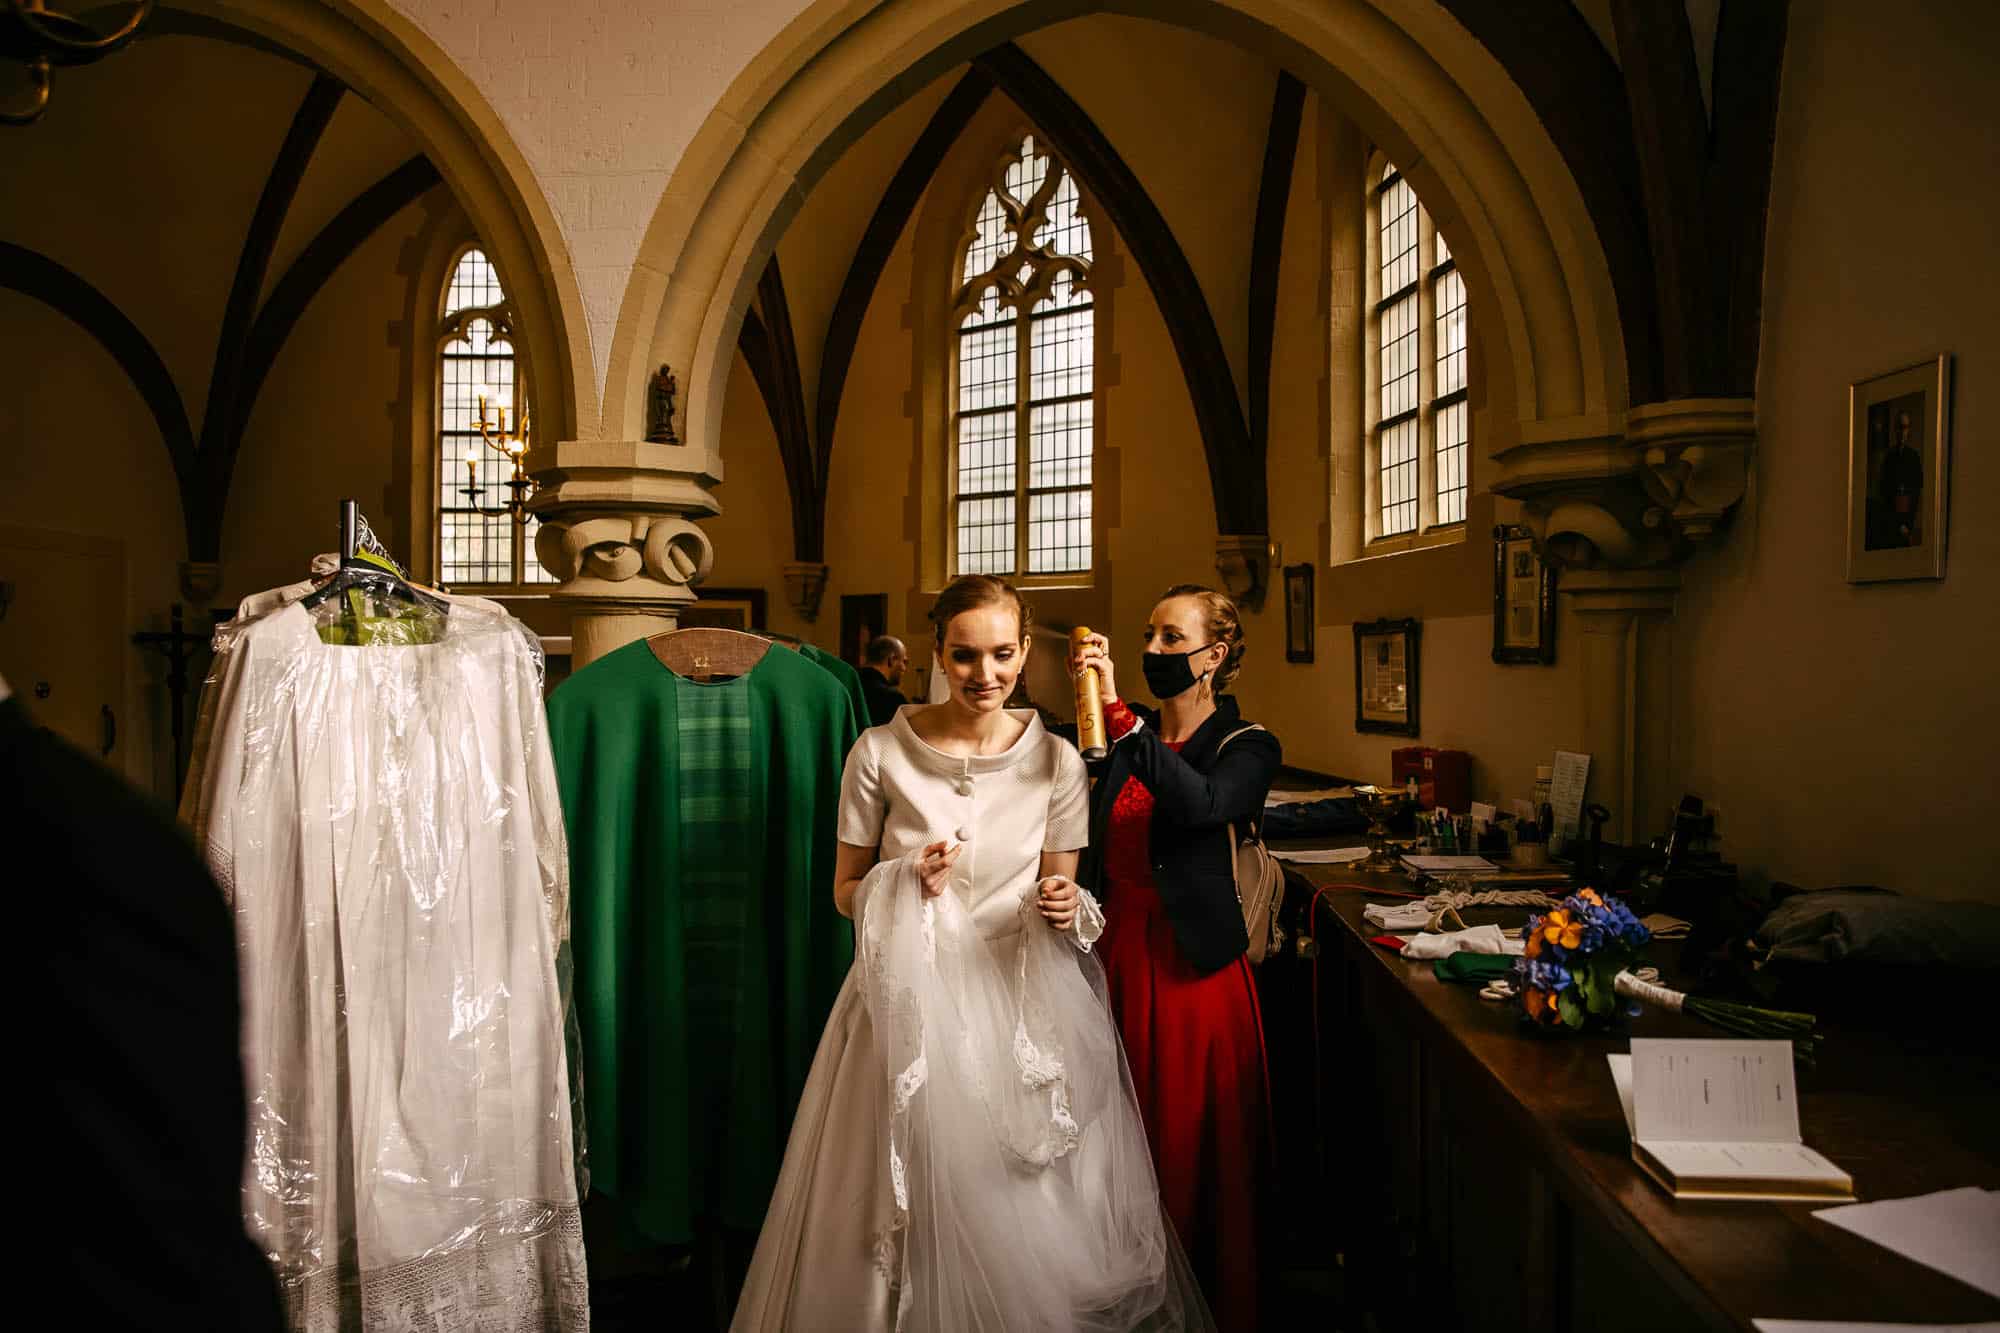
{"x":1224,"y":623}
{"x":971,"y":592}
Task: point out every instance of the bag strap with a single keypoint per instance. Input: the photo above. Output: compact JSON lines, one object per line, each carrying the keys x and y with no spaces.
{"x":1255,"y":822}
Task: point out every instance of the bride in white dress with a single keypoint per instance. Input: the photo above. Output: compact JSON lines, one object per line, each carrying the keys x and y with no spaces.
{"x":968,"y":1154}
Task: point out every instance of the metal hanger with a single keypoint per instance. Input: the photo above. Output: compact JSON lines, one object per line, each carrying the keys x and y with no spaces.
{"x":355,"y":572}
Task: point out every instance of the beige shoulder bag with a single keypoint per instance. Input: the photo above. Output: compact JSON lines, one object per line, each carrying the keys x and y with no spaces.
{"x":1260,"y":881}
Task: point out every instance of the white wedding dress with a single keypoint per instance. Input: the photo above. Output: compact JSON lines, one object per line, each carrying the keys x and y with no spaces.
{"x":967,"y":1154}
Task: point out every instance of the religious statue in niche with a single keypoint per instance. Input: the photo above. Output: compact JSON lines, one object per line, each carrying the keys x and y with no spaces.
{"x":660,"y":409}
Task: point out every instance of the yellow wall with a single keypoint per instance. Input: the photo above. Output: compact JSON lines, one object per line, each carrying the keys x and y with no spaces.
{"x":156,"y":225}
{"x":1850,"y":731}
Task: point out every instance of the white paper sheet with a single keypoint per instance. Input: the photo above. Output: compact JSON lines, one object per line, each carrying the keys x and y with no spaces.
{"x":1301,"y":797}
{"x":1827,"y":1325}
{"x":1714,"y":1091}
{"x":1566,"y":794}
{"x":1444,"y":865}
{"x":1322,"y":856}
{"x":1954,"y":1231}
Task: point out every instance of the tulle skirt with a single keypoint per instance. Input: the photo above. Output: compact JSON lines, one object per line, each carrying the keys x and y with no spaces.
{"x":968,"y":1154}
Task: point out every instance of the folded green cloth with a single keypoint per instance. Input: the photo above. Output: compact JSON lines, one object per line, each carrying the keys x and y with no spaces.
{"x":1474,"y":967}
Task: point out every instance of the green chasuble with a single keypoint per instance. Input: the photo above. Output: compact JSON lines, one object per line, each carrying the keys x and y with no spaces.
{"x":849,"y":678}
{"x":708,"y":950}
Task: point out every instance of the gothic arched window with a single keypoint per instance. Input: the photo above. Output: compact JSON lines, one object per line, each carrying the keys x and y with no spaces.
{"x":1022,"y":407}
{"x":476,"y":360}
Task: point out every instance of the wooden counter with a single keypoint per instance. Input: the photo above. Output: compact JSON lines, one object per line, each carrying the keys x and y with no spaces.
{"x":1473,"y":1174}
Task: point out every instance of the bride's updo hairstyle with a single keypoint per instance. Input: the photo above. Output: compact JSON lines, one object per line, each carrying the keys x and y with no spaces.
{"x":971,"y":592}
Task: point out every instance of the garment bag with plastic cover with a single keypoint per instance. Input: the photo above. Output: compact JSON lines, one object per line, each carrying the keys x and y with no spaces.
{"x":376,"y":795}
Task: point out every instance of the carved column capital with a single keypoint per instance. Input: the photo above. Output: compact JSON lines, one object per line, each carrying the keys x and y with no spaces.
{"x":1696,"y":460}
{"x":805,"y":584}
{"x":1243,"y":560}
{"x":1636,"y":491}
{"x":617,"y":528}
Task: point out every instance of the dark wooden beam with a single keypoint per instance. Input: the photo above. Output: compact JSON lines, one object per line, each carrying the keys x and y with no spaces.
{"x":1267,"y":248}
{"x":885,"y":227}
{"x":340,"y":238}
{"x":220,"y":433}
{"x":1749,"y":60}
{"x":768,"y":348}
{"x":1670,"y":143}
{"x":41,"y":278}
{"x":1551,"y":51}
{"x":1235,"y":469}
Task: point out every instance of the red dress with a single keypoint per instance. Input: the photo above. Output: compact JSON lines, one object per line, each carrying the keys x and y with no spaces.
{"x":1196,"y":1048}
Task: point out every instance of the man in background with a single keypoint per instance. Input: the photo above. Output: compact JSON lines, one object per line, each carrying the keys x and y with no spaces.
{"x":882,"y":678}
{"x":132,"y":1104}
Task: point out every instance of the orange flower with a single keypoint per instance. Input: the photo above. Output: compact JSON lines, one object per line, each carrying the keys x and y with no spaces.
{"x":1534,"y":949}
{"x":1538,"y":1000}
{"x":1590,"y":896}
{"x":1560,"y":929}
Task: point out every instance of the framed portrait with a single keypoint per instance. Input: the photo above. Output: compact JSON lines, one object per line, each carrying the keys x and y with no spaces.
{"x":1899,"y":473}
{"x":1299,"y":613}
{"x":725,"y":608}
{"x":864,"y":616}
{"x":1385,"y":676}
{"x":1524,"y":599}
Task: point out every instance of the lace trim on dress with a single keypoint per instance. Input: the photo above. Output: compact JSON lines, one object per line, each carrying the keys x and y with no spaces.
{"x":524,"y":1274}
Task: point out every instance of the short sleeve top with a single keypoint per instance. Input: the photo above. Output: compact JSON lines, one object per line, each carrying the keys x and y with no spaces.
{"x":899,"y":794}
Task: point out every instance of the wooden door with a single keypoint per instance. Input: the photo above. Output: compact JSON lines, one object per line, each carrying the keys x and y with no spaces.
{"x":62,"y":635}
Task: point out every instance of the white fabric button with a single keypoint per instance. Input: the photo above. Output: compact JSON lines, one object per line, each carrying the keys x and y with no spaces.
{"x":964,"y":787}
{"x":963,"y":834}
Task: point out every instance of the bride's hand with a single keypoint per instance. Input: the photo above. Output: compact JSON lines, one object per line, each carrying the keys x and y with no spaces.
{"x":1055,"y":899}
{"x":1095,"y":655}
{"x":934,"y":866}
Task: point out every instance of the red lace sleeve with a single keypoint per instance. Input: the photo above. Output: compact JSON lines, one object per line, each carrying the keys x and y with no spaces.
{"x":1118,"y":719}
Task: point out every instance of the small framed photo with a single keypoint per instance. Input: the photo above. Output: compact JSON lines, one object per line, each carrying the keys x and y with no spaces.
{"x":725,"y":608}
{"x":1385,"y":676}
{"x":1299,"y":613}
{"x":1899,"y":473}
{"x":1524,"y":599}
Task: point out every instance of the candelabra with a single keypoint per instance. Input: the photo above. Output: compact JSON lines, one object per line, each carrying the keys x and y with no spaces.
{"x":511,"y":445}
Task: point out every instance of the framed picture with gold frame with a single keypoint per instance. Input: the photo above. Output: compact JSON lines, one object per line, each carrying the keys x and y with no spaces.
{"x":1386,"y":677}
{"x":725,"y":608}
{"x":1524,"y":599}
{"x":1899,"y":472}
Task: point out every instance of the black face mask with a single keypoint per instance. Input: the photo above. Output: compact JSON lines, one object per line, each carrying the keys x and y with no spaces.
{"x":1168,"y":675}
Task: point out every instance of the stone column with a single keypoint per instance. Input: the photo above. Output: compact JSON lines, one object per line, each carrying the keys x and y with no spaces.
{"x":1619,"y":504}
{"x":617,"y":527}
{"x":1621,"y":617}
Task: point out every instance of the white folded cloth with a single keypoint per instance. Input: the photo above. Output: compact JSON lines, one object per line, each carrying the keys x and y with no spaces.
{"x":1478,"y":939}
{"x":1397,"y":916}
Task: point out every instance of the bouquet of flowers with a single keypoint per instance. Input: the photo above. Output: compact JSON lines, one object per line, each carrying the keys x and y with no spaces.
{"x":1568,"y":976}
{"x":1581,"y":965}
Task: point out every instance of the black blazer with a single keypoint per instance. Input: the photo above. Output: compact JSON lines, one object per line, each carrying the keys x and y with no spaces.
{"x":1195,"y":797}
{"x":140,"y":1097}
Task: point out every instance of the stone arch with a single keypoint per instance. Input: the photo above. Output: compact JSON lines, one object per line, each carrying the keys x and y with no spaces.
{"x":1415,"y":80}
{"x":380,"y":54}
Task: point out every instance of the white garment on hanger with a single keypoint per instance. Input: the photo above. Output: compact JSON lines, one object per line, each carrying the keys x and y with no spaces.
{"x":386,"y":823}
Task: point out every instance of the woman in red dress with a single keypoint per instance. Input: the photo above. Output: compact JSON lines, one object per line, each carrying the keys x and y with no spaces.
{"x":1161,"y":860}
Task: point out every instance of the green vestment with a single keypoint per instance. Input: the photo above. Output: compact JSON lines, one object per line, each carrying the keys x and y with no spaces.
{"x":708,"y":949}
{"x":849,"y":678}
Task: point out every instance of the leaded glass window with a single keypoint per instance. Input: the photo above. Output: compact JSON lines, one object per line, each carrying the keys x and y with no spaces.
{"x":475,"y":360}
{"x":1419,"y":446}
{"x":1022,"y":414}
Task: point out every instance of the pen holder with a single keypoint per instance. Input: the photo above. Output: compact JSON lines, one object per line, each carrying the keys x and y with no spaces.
{"x":1530,"y":855}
